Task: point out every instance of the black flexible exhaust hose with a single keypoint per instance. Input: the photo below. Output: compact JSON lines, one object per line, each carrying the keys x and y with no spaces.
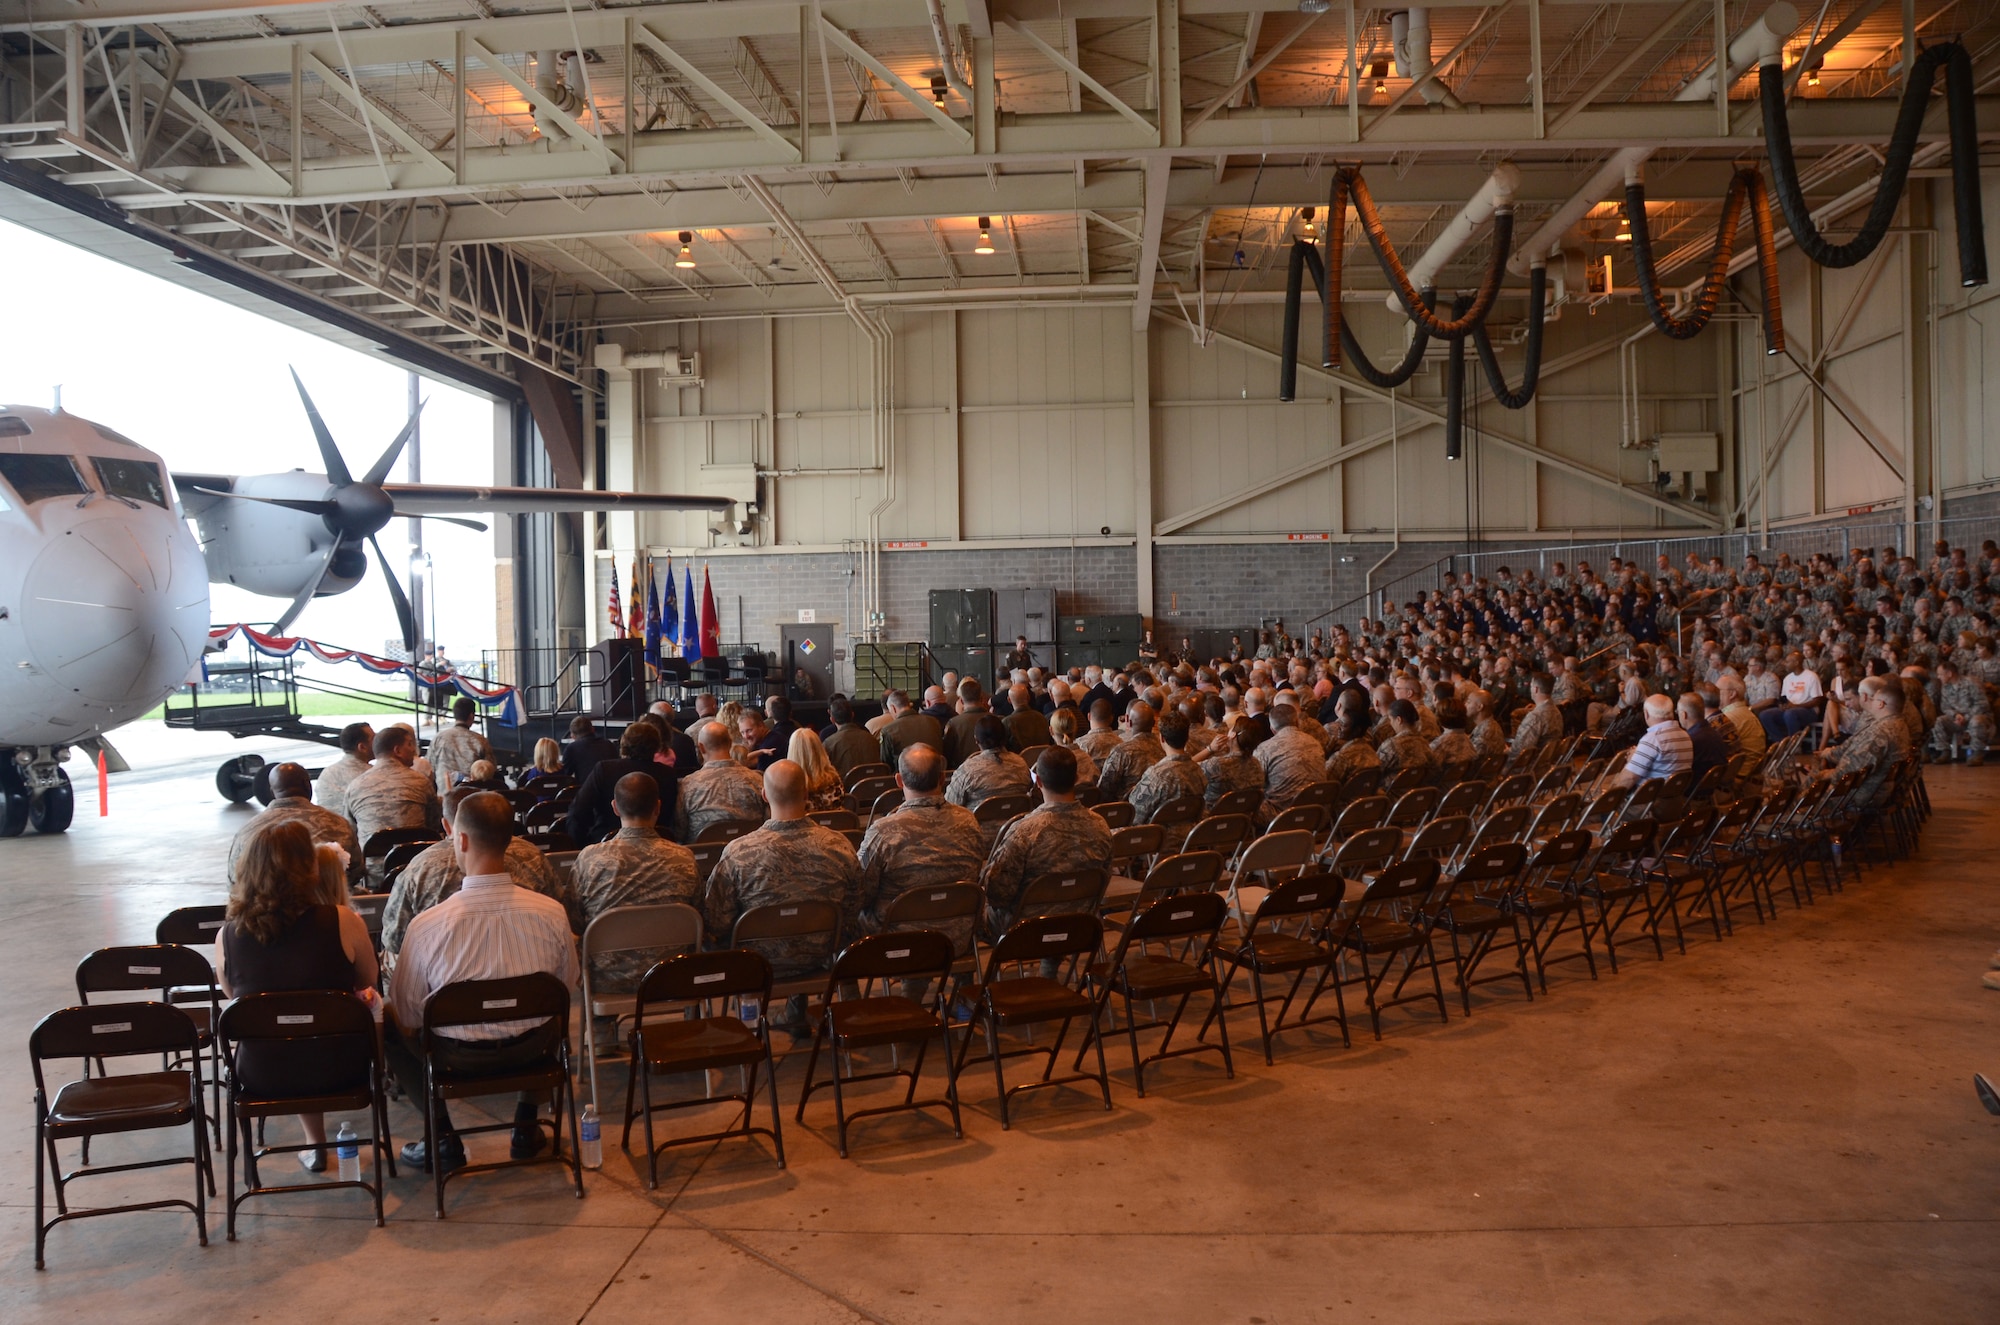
{"x":1333,"y":327}
{"x":1961,"y":117}
{"x":1399,"y":278}
{"x":1746,"y":186}
{"x":1288,"y":344}
{"x":1413,"y":357}
{"x":1454,"y":387}
{"x":1538,"y":289}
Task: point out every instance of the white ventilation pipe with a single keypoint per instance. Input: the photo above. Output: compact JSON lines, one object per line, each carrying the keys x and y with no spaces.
{"x":1410,"y":33}
{"x":941,"y":38}
{"x":550,"y":83}
{"x":1761,"y":41}
{"x":1495,"y":194}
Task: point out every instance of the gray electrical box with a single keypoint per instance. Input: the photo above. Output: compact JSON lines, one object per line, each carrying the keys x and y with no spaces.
{"x":1030,"y":612}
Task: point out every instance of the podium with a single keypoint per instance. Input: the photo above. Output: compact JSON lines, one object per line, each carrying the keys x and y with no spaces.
{"x":616,"y":686}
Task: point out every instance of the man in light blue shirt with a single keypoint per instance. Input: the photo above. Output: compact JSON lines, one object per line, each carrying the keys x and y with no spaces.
{"x":1662,"y":752}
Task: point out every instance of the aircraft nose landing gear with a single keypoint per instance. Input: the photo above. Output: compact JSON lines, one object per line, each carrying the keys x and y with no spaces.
{"x":36,"y":792}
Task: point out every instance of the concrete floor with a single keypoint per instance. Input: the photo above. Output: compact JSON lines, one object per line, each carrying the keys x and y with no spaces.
{"x":1779,"y":1127}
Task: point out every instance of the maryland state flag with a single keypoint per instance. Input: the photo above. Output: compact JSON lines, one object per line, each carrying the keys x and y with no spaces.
{"x":711,"y":627}
{"x":635,"y":624}
{"x":617,"y":611}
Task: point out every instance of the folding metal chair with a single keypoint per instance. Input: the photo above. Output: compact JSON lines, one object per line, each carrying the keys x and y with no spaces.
{"x":1131,"y":848}
{"x":1505,"y":825}
{"x":670,"y":1046}
{"x":191,"y":926}
{"x":1440,"y":838}
{"x":1224,"y":833}
{"x":536,"y":997}
{"x":1465,"y":798}
{"x":398,"y":859}
{"x":1062,"y":892}
{"x":952,"y":909}
{"x":1547,"y":907}
{"x":887,"y":801}
{"x":1179,"y":812}
{"x":863,"y":793}
{"x":178,"y":976}
{"x":370,"y":907}
{"x":1365,"y":853}
{"x":881,"y":1020}
{"x":725,"y":831}
{"x":1558,"y":814}
{"x":1386,"y":924}
{"x":1470,"y":909}
{"x":1614,"y":885}
{"x":1310,"y":903}
{"x":1271,"y":857}
{"x":1325,"y":795}
{"x":107,"y":1104}
{"x":1245,"y":802}
{"x":654,"y":927}
{"x":813,"y":930}
{"x":1366,"y":812}
{"x":1414,"y":807}
{"x":1298,"y":819}
{"x":339,"y":1031}
{"x":1137,"y":976}
{"x":840,"y":820}
{"x":1029,"y":998}
{"x":860,"y":773}
{"x":1116,"y":814}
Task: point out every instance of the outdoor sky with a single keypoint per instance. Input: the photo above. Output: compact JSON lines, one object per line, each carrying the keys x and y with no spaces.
{"x":205,"y":384}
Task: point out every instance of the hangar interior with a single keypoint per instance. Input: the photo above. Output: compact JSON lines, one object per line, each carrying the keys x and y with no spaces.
{"x":957,"y":293}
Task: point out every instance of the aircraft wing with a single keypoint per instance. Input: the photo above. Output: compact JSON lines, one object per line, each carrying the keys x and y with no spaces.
{"x":445,"y":499}
{"x":196,"y":504}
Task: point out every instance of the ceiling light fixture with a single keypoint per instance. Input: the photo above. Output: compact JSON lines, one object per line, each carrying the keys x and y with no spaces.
{"x":1624,"y":235}
{"x":1379,"y":71}
{"x":1306,"y":219}
{"x":1812,"y":72}
{"x":985,"y":244}
{"x":938,"y":86}
{"x":686,"y":259}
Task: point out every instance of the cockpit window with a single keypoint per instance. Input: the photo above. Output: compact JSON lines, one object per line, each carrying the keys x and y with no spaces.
{"x":40,"y":477}
{"x":13,"y":425}
{"x":137,"y":480}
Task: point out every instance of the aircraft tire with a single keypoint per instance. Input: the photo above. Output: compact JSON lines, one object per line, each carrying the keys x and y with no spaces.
{"x":14,"y":800}
{"x":54,"y":808}
{"x":237,"y":779}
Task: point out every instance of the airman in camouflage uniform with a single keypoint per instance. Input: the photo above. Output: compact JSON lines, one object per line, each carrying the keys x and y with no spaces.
{"x":925,"y":842}
{"x":721,"y":789}
{"x":391,"y":794}
{"x":456,"y":748}
{"x":787,"y":860}
{"x":1349,"y":758}
{"x":1227,"y":770}
{"x":1539,"y":725}
{"x":357,"y":741}
{"x":1173,"y":777}
{"x":1292,"y":761}
{"x":989,"y":773}
{"x":435,"y":875}
{"x":1119,"y":772}
{"x":293,"y":804}
{"x":633,"y":867}
{"x":1059,"y":835}
{"x":1406,"y":750}
{"x":1964,"y":713}
{"x":1454,"y":751}
{"x":1875,"y":751}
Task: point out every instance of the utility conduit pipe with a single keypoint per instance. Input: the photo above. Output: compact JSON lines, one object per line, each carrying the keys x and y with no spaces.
{"x":1392,"y":266}
{"x":1410,"y":34}
{"x":941,"y":38}
{"x":1494,"y":195}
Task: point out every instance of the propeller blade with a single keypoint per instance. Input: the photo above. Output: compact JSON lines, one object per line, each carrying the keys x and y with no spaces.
{"x":299,"y":603}
{"x":329,"y":454}
{"x":448,"y":499}
{"x":403,"y":612}
{"x":289,"y":503}
{"x":380,"y":469}
{"x":473,"y":525}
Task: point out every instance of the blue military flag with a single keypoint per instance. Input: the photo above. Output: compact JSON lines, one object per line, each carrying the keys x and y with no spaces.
{"x":690,"y":628}
{"x":670,"y":618}
{"x":652,"y":621}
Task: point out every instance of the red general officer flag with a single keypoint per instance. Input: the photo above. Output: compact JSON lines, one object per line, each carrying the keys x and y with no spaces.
{"x":711,"y":626}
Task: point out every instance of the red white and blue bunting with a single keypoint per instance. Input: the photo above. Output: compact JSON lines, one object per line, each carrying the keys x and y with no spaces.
{"x":501,"y":698}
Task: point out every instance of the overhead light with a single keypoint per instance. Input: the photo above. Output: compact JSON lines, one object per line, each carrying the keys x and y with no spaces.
{"x":1306,"y":219}
{"x":938,"y":86}
{"x":985,"y":244}
{"x":1314,"y":6}
{"x":1812,"y":72}
{"x":1379,"y":71}
{"x":1624,"y":235}
{"x":686,"y":259}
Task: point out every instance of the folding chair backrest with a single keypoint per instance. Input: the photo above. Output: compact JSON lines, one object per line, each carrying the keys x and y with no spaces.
{"x":1551,"y":782}
{"x":537,"y":996}
{"x":151,"y":967}
{"x":1135,"y":841}
{"x":1187,"y":872}
{"x":1286,"y":850}
{"x":399,"y":857}
{"x":860,"y":773}
{"x":687,"y":976}
{"x":866,"y":791}
{"x":1585,"y":778}
{"x":1367,"y":812}
{"x":1493,"y":863}
{"x":371,"y":907}
{"x":887,"y":801}
{"x":650,"y":926}
{"x":904,"y":956}
{"x":1504,"y":825}
{"x":1368,"y":849}
{"x":1465,"y":798}
{"x":336,"y":1028}
{"x":1116,"y":814}
{"x":1032,"y":753}
{"x":1561,"y":854}
{"x":1643,"y":798}
{"x":1307,"y":895}
{"x":1405,"y":883}
{"x":1299,"y":818}
{"x":1441,"y":837}
{"x":999,"y":809}
{"x":1180,"y":810}
{"x":1190,"y":915}
{"x":1323,"y":794}
{"x":1361,"y":782}
{"x":1559,"y":813}
{"x":727,"y":830}
{"x":1218,"y":832}
{"x":1604,"y":810}
{"x":1510,"y":789}
{"x":1063,"y":893}
{"x":920,"y":908}
{"x":1679,"y":786}
{"x":1047,"y":938}
{"x":1413,"y":807}
{"x":705,"y":855}
{"x":191,"y":926}
{"x":836,"y":819}
{"x":1245,"y":802}
{"x":118,"y":1031}
{"x":564,"y":865}
{"x":380,"y":843}
{"x":1628,"y":841}
{"x":790,"y":920}
{"x":1410,"y":779}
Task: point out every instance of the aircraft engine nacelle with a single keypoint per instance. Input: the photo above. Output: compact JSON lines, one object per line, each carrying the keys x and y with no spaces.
{"x":272,"y":550}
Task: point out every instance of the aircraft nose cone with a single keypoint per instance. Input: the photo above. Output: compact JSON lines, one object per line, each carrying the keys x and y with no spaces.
{"x":116,"y":611}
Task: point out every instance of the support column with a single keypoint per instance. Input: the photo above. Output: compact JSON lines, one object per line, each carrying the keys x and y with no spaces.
{"x":1918,"y":243}
{"x":1142,"y":469}
{"x":621,"y":445}
{"x":507,"y":614}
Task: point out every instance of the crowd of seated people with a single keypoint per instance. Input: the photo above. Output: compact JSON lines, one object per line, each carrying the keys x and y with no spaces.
{"x":1663,"y":672}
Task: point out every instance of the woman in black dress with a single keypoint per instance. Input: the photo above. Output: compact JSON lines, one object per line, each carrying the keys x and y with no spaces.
{"x":280,"y":937}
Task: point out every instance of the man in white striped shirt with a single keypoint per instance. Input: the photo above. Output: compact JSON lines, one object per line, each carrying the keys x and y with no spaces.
{"x":488,"y":930}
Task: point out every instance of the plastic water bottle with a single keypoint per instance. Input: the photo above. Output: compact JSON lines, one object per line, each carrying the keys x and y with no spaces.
{"x":752,"y":1012}
{"x":592,"y":1147}
{"x":346,"y":1146}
